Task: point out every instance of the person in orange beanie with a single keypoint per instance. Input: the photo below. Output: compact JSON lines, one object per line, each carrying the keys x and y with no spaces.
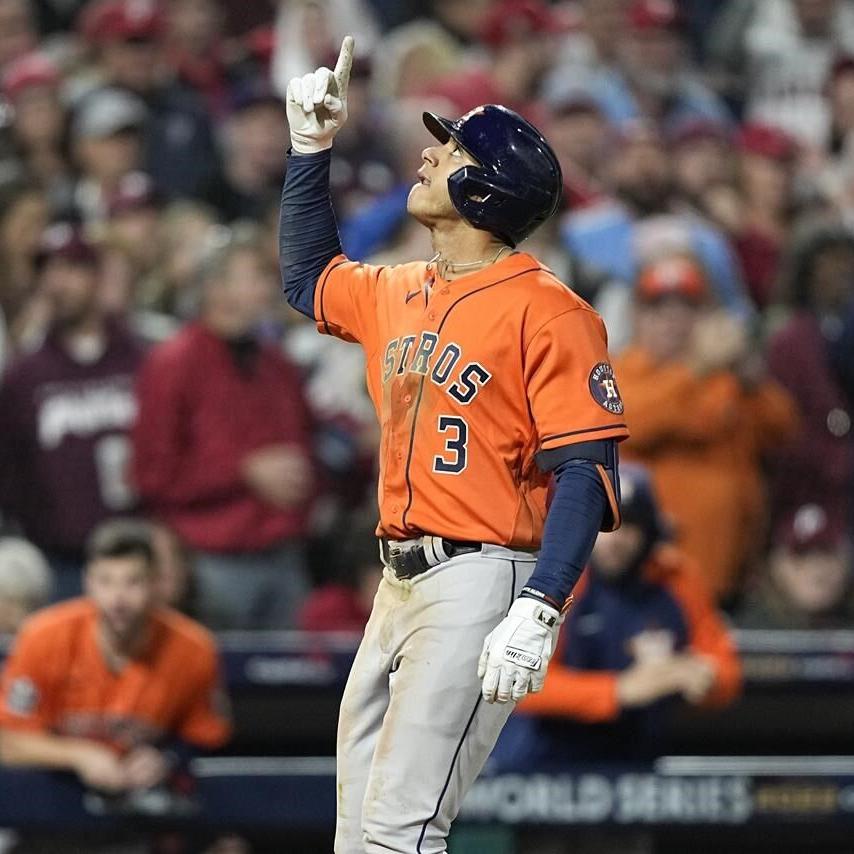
{"x":701,"y":414}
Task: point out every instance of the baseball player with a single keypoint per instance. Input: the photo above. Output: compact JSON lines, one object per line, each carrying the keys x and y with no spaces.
{"x":489,"y":378}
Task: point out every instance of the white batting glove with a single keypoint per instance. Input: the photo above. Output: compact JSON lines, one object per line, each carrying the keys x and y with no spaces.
{"x":516,"y":652}
{"x":317,"y":103}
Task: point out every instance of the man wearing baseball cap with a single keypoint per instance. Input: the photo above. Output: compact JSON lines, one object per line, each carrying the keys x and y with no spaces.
{"x":65,"y":410}
{"x":654,"y":79}
{"x":107,"y":139}
{"x":31,"y":85}
{"x":126,"y":37}
{"x":702,"y":416}
{"x":808,"y":579}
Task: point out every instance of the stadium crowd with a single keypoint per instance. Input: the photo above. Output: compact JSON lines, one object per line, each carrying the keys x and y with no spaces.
{"x":151,"y":369}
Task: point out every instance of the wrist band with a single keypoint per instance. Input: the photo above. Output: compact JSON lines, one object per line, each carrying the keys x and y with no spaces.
{"x":533,"y":593}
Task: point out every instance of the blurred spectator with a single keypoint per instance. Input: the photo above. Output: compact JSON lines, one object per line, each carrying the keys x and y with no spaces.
{"x":18,"y":33}
{"x":835,"y":171}
{"x":126,"y":38}
{"x":654,"y":80}
{"x":31,"y":86}
{"x":221,"y":448}
{"x":777,"y":54}
{"x":704,"y":170}
{"x":767,"y":166}
{"x":818,"y":466}
{"x":195,"y":50}
{"x":133,"y":213}
{"x":643,"y":633}
{"x":26,"y":582}
{"x":594,"y":44}
{"x":174,"y":578}
{"x":131,"y":250}
{"x":112,"y":686}
{"x":254,"y":137}
{"x":842,"y":357}
{"x":410,"y":58}
{"x":65,"y":411}
{"x":107,"y":138}
{"x":701,"y":415}
{"x":462,"y":18}
{"x":642,"y":220}
{"x":344,"y":604}
{"x":579,"y":134}
{"x":521,"y":38}
{"x":23,"y":218}
{"x":185,"y":230}
{"x":808,"y":580}
{"x":344,"y":427}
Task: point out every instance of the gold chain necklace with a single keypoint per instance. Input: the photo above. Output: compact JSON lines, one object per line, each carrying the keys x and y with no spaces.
{"x":450,"y":267}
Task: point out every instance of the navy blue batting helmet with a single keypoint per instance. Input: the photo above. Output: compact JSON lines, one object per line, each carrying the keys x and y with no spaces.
{"x":517,"y":183}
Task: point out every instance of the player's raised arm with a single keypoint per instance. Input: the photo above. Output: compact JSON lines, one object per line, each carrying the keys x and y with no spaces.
{"x":308,"y":234}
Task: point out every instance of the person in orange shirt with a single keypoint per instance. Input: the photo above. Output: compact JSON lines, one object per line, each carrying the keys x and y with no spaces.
{"x":701,"y":414}
{"x":643,"y":633}
{"x":111,"y":686}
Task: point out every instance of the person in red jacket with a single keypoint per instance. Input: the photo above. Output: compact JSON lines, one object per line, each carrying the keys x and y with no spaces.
{"x":643,"y":634}
{"x":221,"y":448}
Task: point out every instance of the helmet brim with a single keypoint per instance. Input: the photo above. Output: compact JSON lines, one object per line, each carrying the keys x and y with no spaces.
{"x":441,"y":128}
{"x":444,"y":129}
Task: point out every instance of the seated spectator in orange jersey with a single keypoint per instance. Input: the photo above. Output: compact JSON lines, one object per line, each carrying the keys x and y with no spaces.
{"x":807,"y":583}
{"x":344,"y":604}
{"x":701,"y":414}
{"x":642,"y":633}
{"x":111,"y":686}
{"x":222,"y":450}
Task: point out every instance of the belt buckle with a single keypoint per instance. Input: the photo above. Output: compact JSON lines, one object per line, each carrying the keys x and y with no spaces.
{"x":396,"y":559}
{"x":407,"y":562}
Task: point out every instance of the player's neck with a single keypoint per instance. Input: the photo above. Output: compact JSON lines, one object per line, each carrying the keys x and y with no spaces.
{"x":460,"y":251}
{"x":119,"y":651}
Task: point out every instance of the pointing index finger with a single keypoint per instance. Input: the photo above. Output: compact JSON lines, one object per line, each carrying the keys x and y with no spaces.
{"x":343,"y":66}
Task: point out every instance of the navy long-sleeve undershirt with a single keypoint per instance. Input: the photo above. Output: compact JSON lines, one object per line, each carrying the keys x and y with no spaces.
{"x":579,"y":505}
{"x":308,"y":232}
{"x":308,"y":241}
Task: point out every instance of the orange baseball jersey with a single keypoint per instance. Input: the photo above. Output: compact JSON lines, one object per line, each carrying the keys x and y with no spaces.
{"x":471,"y":379}
{"x":57,"y":680}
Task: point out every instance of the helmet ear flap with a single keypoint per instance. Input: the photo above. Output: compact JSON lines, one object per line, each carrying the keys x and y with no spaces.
{"x":467,"y":185}
{"x":488,"y":201}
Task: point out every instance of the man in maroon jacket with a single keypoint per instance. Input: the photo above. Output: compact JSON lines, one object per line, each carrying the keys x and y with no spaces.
{"x":65,"y":412}
{"x":221,"y":449}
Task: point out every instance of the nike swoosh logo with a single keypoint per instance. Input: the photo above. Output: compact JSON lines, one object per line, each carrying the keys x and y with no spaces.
{"x":412,"y":295}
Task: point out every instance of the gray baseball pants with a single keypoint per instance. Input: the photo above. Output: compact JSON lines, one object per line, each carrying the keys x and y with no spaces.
{"x":413,"y":731}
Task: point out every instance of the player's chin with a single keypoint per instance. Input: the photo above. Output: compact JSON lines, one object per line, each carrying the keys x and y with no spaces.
{"x":416,"y":200}
{"x":422,"y":205}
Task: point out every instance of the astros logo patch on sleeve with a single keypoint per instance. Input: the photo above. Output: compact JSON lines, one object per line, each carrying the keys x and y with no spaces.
{"x":603,"y":388}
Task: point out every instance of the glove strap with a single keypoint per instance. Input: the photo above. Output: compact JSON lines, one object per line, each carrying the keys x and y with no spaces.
{"x":533,"y":593}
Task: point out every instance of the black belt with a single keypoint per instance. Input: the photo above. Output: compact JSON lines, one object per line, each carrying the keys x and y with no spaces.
{"x":410,"y":558}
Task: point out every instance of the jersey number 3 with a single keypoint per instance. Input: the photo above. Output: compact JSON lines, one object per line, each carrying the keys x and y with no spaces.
{"x":454,"y":458}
